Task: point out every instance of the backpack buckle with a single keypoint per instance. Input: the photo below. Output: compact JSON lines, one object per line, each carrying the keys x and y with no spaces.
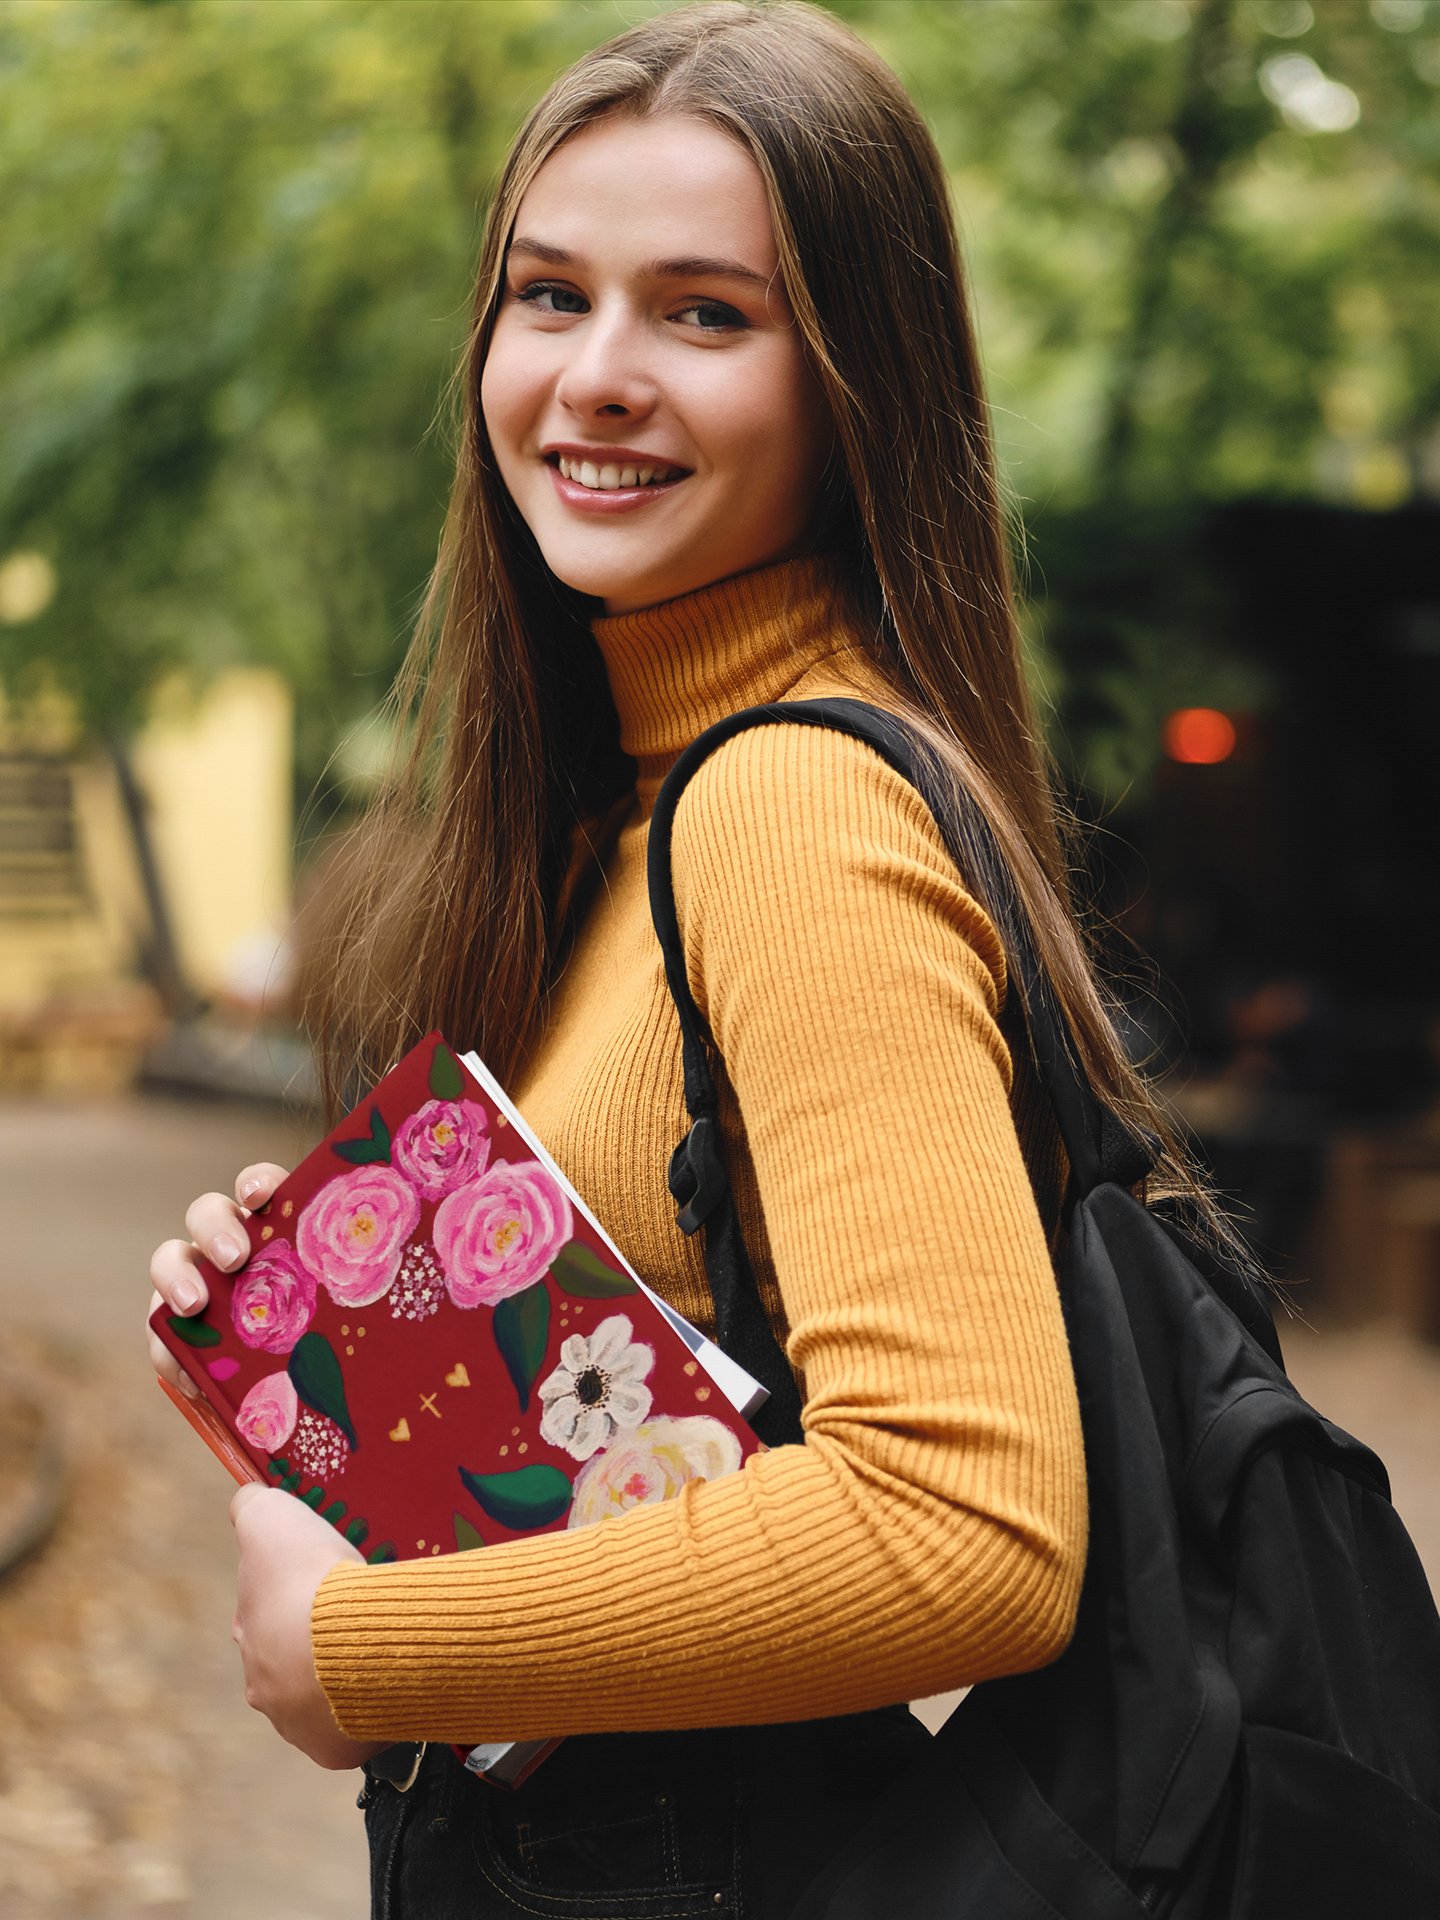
{"x":697,"y":1176}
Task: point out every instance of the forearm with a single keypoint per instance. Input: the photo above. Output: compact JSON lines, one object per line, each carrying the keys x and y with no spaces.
{"x":813,"y":1583}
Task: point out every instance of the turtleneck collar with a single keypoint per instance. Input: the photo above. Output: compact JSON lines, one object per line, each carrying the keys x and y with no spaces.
{"x":677,"y":668}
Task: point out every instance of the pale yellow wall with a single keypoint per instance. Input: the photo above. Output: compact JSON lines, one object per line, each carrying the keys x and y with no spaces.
{"x":216,"y":771}
{"x":43,"y":957}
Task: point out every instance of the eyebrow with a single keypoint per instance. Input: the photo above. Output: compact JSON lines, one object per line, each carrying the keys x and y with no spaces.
{"x":689,"y":265}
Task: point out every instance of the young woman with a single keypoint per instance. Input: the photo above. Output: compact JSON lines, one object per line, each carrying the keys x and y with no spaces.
{"x":724,"y":442}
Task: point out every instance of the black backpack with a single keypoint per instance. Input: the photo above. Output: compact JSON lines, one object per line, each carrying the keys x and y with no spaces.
{"x":1246,"y":1722}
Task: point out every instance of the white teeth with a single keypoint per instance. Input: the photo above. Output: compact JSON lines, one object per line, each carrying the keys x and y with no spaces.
{"x":608,"y":478}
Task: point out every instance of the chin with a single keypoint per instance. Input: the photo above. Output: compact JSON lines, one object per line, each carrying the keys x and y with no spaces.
{"x":623,"y":588}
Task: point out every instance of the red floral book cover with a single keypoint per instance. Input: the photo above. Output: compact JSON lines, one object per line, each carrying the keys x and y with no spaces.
{"x":435,"y":1345}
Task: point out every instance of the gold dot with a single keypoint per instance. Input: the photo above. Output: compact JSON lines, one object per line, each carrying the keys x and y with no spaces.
{"x":349,"y":1349}
{"x":344,"y":1329}
{"x":503,"y":1452}
{"x":265,"y":1232}
{"x":702,"y":1393}
{"x":690,"y":1366}
{"x":361,"y":1332}
{"x":501,"y":1121}
{"x":522,"y":1448}
{"x":420,"y":1544}
{"x":436,"y":1547}
{"x":514,"y":1433}
{"x":286,"y":1209}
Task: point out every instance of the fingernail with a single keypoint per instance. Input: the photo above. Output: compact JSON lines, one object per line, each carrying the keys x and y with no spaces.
{"x":229,"y":1252}
{"x":188,"y":1387}
{"x":187,"y":1295}
{"x":250,"y":1186}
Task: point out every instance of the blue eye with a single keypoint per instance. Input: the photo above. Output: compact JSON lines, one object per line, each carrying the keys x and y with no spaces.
{"x":711,"y":316}
{"x":553,"y":299}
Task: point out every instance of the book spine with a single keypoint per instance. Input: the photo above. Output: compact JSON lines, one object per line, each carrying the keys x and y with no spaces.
{"x":208,"y":1424}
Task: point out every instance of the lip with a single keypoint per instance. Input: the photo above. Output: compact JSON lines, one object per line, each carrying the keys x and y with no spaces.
{"x":610,"y":456}
{"x":610,"y":499}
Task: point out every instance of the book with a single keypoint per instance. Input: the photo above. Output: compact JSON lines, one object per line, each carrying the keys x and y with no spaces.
{"x":436,"y":1345}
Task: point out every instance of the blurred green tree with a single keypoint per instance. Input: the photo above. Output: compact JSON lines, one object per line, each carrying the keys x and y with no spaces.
{"x":234,"y":244}
{"x":1205,"y":236}
{"x":233,"y":251}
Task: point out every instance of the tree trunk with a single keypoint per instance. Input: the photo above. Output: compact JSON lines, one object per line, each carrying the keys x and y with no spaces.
{"x":160,"y":957}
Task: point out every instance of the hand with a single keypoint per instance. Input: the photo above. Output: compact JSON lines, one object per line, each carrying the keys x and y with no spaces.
{"x":213,"y":1223}
{"x":286,"y":1550}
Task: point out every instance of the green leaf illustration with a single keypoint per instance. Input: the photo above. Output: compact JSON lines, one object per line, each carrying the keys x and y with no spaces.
{"x":291,"y":1482}
{"x":584,"y":1276}
{"x":358,"y":1532}
{"x":279,"y":1466}
{"x":195,"y":1333}
{"x":316,"y":1377}
{"x":445,"y":1080}
{"x":312,"y":1497}
{"x":528,"y":1497}
{"x":335,"y":1513}
{"x":363,"y":1152}
{"x":521,"y":1326}
{"x":467,"y":1538}
{"x":377,"y":1555}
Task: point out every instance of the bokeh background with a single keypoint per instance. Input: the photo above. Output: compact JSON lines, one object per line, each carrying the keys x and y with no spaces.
{"x":235,"y":241}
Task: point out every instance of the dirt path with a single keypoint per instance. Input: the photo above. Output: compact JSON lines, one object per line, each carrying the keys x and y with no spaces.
{"x":133,"y":1778}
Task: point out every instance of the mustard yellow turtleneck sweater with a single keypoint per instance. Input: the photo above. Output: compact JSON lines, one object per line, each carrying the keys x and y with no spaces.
{"x":931,"y":1531}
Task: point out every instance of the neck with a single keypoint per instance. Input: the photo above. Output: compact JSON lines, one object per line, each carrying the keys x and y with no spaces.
{"x":677,"y":668}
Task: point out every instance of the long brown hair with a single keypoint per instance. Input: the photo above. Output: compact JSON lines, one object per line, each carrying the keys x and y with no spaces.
{"x":445,"y":908}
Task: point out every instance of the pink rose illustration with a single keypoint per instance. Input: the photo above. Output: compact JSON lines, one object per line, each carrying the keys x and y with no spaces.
{"x":273,"y":1299}
{"x":352,"y":1234}
{"x":442,"y":1146}
{"x":498,"y":1234}
{"x":268,"y":1413}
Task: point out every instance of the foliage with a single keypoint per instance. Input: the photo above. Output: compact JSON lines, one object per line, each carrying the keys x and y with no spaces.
{"x":1183,"y":293}
{"x":1188,"y":293}
{"x":234,"y":242}
{"x":234,"y":247}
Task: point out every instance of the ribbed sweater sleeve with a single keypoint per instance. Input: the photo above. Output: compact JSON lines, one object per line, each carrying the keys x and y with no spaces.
{"x":931,"y":1530}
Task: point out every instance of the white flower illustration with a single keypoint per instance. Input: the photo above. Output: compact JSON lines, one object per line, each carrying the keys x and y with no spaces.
{"x":652,"y":1463}
{"x":419,"y":1287}
{"x":597,"y":1388}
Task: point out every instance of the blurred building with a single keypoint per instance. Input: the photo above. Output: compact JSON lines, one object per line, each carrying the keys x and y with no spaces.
{"x":1293,"y":897}
{"x":137,"y":888}
{"x":216,"y":772}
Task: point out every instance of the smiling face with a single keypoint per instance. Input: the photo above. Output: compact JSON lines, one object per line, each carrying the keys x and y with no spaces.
{"x":646,"y":392}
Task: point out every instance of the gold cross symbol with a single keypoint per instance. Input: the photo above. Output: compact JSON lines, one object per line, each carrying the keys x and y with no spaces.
{"x":427,"y":1404}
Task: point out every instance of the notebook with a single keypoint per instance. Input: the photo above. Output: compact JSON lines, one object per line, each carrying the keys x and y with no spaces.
{"x":436,"y":1345}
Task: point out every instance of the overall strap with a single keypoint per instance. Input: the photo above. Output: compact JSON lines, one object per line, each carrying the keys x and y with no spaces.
{"x":1099,"y":1148}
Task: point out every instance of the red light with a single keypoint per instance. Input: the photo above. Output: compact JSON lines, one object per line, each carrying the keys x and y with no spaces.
{"x":1199,"y":736}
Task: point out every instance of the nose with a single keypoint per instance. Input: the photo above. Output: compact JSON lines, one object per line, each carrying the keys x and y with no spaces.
{"x":605,"y":375}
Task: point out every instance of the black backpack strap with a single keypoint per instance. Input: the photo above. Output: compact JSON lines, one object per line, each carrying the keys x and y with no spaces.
{"x":1099,"y":1148}
{"x":697,"y":1176}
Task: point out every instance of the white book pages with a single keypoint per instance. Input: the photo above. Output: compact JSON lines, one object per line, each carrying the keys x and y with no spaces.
{"x":743,"y":1392}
